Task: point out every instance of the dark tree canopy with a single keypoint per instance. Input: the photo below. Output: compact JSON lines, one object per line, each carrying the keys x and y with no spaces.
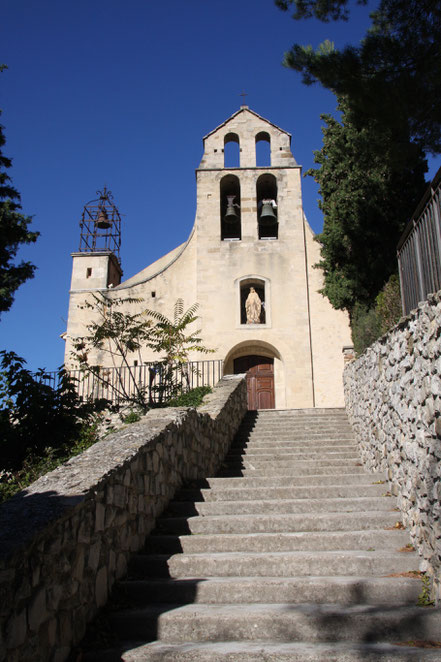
{"x":393,"y":76}
{"x":325,"y":10}
{"x":370,"y":179}
{"x":13,"y":233}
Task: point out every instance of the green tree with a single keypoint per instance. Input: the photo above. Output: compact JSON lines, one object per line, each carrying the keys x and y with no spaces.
{"x":393,"y":76}
{"x":14,"y":232}
{"x":121,"y":334}
{"x":370,"y":179}
{"x":171,"y":339}
{"x":117,"y":334}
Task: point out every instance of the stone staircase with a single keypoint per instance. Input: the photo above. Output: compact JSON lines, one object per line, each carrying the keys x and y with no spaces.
{"x":293,"y":553}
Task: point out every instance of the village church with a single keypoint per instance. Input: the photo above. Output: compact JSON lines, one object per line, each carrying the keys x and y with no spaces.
{"x":248,"y":263}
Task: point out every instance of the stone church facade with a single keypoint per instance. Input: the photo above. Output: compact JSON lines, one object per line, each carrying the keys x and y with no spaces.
{"x":250,"y":236}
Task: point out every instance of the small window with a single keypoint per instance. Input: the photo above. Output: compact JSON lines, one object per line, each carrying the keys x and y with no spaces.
{"x":153,"y":295}
{"x":88,"y":272}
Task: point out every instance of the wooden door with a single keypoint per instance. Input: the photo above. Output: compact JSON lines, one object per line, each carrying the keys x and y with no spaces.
{"x":260,"y":380}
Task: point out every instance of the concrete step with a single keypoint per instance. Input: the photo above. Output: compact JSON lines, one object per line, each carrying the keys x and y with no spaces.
{"x":368,"y":539}
{"x":238,"y":493}
{"x":304,"y":468}
{"x":300,"y":436}
{"x":280,"y":622}
{"x":294,"y":557}
{"x":344,"y":478}
{"x":267,"y":651}
{"x":331,"y":452}
{"x":273,"y":590}
{"x":271,"y":523}
{"x":275,"y":564}
{"x":278,"y":506}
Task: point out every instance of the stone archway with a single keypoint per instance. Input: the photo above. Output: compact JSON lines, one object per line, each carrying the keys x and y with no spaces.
{"x":265,"y":373}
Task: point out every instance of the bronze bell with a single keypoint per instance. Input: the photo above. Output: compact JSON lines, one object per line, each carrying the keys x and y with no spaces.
{"x":102,"y":221}
{"x":231,"y":215}
{"x":267,"y":215}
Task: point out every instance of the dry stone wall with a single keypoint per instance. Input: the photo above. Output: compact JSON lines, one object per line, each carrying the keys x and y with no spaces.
{"x":393,"y":399}
{"x":67,"y":538}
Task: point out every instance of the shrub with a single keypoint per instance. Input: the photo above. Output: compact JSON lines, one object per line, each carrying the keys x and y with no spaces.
{"x":388,"y":304}
{"x":191,"y":398}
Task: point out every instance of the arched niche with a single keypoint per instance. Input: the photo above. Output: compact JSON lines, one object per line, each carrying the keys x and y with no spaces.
{"x":250,"y":287}
{"x":267,"y":215}
{"x":231,"y":151}
{"x":263,"y":149}
{"x":230,"y":217}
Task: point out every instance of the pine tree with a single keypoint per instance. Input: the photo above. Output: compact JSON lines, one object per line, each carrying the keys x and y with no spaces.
{"x":370,"y":179}
{"x":14,"y":232}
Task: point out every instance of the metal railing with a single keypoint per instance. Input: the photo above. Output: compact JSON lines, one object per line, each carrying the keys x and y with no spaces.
{"x":115,"y":384}
{"x":419,"y":249}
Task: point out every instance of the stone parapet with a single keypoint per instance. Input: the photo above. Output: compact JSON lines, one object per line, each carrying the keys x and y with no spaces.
{"x":67,"y":538}
{"x":393,"y":400}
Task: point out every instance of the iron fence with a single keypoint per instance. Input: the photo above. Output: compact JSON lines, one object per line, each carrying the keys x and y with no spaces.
{"x":120,"y":384}
{"x":419,"y":249}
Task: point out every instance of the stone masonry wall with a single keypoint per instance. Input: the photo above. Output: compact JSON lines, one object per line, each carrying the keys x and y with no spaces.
{"x":393,"y":399}
{"x":67,"y":538}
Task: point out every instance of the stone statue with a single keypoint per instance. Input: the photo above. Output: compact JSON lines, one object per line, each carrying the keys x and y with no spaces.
{"x":253,"y":306}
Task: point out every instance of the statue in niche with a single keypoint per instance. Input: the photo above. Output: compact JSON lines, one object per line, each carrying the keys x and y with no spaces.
{"x":253,"y":307}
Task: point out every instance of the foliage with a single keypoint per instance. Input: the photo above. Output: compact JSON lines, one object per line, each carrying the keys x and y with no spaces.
{"x":132,"y":417}
{"x":324,"y":10}
{"x":388,"y":304}
{"x":120,"y":334}
{"x":36,"y":465}
{"x":424,"y":598}
{"x":365,"y":327}
{"x":192,"y":398}
{"x":370,"y":180}
{"x":14,"y":232}
{"x":169,"y":338}
{"x":368,"y":324}
{"x":33,"y":414}
{"x":393,"y":76}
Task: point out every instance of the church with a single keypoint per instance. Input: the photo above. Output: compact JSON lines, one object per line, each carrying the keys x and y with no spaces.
{"x":248,"y":264}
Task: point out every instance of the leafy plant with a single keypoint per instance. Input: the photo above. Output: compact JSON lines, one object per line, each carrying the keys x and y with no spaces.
{"x":424,"y":599}
{"x":38,"y":464}
{"x":170,"y":338}
{"x":192,"y":398}
{"x":118,"y":334}
{"x":132,"y":417}
{"x":388,"y":304}
{"x":35,"y":415}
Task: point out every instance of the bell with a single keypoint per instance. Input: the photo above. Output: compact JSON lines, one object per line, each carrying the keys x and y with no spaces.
{"x":267,"y":215}
{"x":231,"y":215}
{"x":102,"y":221}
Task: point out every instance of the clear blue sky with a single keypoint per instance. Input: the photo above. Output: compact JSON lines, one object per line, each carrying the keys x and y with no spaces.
{"x":121,"y":93}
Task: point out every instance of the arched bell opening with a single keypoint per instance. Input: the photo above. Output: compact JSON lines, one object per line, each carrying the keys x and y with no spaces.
{"x":266,"y":196}
{"x":263,"y":150}
{"x":231,"y":151}
{"x":230,"y":217}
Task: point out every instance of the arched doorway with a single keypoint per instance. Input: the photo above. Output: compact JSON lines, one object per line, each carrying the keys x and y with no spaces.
{"x":260,"y":380}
